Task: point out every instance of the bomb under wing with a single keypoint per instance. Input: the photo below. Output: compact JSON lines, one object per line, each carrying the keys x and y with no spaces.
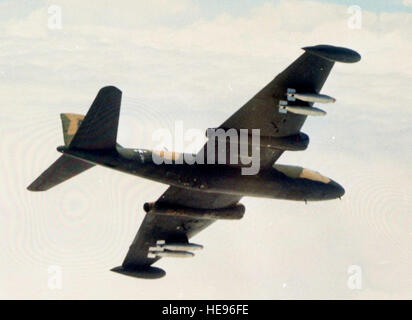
{"x":173,"y":249}
{"x":307,"y":111}
{"x":170,"y":254}
{"x":311,"y":97}
{"x":177,"y":246}
{"x":182,"y":246}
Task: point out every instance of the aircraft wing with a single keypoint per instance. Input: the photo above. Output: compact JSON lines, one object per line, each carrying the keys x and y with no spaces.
{"x":173,"y":228}
{"x":306,"y":74}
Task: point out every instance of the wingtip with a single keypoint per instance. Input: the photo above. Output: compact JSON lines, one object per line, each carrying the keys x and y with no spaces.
{"x":333,"y":53}
{"x":110,"y":88}
{"x":144,"y":273}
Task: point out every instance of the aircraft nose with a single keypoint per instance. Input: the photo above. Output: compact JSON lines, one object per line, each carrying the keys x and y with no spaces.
{"x":335,"y":190}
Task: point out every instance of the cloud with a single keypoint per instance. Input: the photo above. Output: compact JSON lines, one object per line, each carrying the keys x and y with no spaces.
{"x":126,"y":14}
{"x":173,"y":63}
{"x":407,"y":3}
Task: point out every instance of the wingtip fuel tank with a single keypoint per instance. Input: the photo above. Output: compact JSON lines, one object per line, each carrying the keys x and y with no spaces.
{"x":141,"y":273}
{"x":335,"y":54}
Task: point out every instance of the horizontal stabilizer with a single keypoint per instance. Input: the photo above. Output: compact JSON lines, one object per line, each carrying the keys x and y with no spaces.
{"x":62,"y":169}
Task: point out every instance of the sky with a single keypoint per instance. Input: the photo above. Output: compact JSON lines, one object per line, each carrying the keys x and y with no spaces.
{"x":198,"y":62}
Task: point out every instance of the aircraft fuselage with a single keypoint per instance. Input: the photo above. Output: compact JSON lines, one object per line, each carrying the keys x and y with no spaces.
{"x":277,"y":182}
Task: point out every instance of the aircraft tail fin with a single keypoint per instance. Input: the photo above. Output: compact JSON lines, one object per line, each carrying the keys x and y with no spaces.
{"x":95,"y":131}
{"x":98,"y":129}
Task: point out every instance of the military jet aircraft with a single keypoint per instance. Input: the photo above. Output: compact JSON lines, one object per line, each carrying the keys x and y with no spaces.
{"x":201,"y":193}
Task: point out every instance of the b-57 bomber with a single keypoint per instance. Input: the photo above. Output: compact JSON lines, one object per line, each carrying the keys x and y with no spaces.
{"x":209,"y":186}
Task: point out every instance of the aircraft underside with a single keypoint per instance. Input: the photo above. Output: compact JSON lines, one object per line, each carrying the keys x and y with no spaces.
{"x":277,"y":182}
{"x":201,"y":193}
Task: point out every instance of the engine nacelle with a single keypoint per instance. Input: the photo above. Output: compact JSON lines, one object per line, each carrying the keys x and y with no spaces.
{"x":235,"y":212}
{"x":295,"y":142}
